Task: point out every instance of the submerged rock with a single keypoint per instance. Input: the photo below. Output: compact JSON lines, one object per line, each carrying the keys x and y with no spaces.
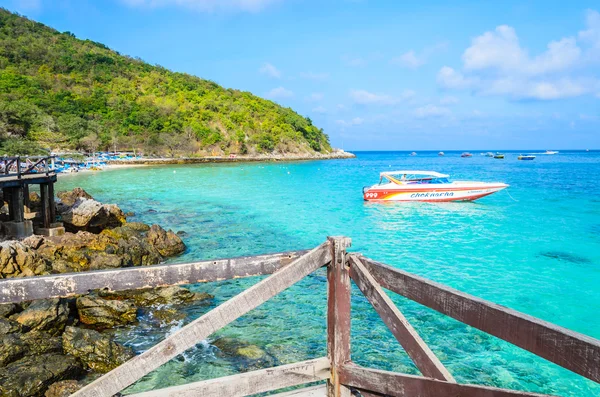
{"x":32,"y":375}
{"x":48,"y":315}
{"x":167,"y":315}
{"x":19,"y":260}
{"x":166,"y":242}
{"x":104,"y":313}
{"x":64,"y":388}
{"x":96,"y":351}
{"x":246,"y":356}
{"x":174,"y":295}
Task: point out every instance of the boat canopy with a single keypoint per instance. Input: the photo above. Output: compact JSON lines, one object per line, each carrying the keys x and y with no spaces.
{"x":415,"y":174}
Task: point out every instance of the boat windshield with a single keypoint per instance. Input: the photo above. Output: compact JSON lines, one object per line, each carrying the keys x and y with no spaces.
{"x":412,"y":179}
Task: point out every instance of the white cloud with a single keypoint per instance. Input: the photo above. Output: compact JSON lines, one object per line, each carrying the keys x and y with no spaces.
{"x":354,"y":121}
{"x":429,"y":111}
{"x":363,"y":97}
{"x":315,"y":76}
{"x":592,"y":34}
{"x":270,"y":70}
{"x":409,"y":60}
{"x":449,"y":100}
{"x":450,"y":78}
{"x":497,"y":64}
{"x":206,"y":5}
{"x":279,"y":92}
{"x":319,"y":109}
{"x":500,"y":50}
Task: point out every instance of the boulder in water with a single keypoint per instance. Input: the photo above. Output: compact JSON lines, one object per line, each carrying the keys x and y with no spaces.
{"x":103,"y":313}
{"x":90,"y":215}
{"x":48,"y":315}
{"x":96,"y":351}
{"x":246,"y":356}
{"x":166,"y":242}
{"x":70,"y":197}
{"x":32,"y":375}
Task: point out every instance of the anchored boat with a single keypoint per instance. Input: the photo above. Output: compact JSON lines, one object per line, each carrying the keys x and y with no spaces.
{"x":499,"y":156}
{"x":526,"y":157}
{"x":427,"y":186}
{"x":466,"y":154}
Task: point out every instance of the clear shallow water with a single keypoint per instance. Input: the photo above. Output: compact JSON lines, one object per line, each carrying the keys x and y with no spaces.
{"x":537,"y":252}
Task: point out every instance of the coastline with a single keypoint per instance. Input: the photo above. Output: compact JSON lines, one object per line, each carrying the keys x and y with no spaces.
{"x":338,"y":155}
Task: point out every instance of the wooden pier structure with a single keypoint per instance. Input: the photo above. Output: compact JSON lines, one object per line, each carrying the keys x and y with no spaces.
{"x":338,"y":375}
{"x":16,"y":175}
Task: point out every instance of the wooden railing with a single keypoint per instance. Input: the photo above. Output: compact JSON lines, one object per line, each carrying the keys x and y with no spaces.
{"x":34,"y":165}
{"x":571,"y":350}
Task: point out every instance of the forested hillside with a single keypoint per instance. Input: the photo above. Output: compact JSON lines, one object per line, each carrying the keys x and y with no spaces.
{"x":61,"y":93}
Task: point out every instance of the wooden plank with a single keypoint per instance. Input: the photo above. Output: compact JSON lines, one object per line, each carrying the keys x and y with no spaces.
{"x":201,"y":328}
{"x":63,"y":285}
{"x":248,"y":383}
{"x":429,"y":365}
{"x":338,"y":313}
{"x":402,"y":385}
{"x":574,"y":351}
{"x":45,"y":199}
{"x":314,"y":391}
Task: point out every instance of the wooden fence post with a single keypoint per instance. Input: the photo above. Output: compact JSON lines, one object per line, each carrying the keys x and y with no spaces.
{"x":338,"y":314}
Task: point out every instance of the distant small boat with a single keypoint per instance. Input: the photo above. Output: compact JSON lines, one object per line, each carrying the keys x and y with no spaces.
{"x":551,"y":152}
{"x":466,"y":154}
{"x":441,"y":154}
{"x":526,"y":157}
{"x":413,"y":154}
{"x":499,"y":155}
{"x":489,"y":154}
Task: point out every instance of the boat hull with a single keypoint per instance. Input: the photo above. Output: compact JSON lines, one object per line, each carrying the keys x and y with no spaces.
{"x":432,"y":194}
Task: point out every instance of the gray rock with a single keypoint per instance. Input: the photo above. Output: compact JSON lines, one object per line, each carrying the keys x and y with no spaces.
{"x":166,"y":242}
{"x":96,"y":351}
{"x":50,"y":315}
{"x":103,"y":313}
{"x":11,"y":349}
{"x":64,"y":388}
{"x":174,"y":295}
{"x":32,"y":375}
{"x":6,"y":309}
{"x":9,"y":326}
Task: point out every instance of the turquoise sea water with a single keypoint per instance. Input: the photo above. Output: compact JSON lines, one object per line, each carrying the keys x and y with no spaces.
{"x":535,"y":249}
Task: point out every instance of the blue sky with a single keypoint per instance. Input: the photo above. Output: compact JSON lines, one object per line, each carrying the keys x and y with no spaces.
{"x":376,"y":75}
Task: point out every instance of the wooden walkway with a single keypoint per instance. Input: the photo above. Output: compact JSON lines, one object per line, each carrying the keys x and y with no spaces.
{"x":573,"y":351}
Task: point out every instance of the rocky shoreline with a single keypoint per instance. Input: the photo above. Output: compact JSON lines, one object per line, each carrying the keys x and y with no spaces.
{"x":338,"y":154}
{"x":53,"y":347}
{"x":61,"y":340}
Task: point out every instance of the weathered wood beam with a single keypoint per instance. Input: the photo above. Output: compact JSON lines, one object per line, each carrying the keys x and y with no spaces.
{"x":574,"y":351}
{"x":402,"y":385}
{"x":338,"y":314}
{"x":249,"y":383}
{"x":16,"y":290}
{"x":46,"y":200}
{"x":201,"y":328}
{"x":429,"y":365}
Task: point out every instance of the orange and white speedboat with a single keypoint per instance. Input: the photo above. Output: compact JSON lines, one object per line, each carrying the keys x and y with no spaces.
{"x":427,"y":186}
